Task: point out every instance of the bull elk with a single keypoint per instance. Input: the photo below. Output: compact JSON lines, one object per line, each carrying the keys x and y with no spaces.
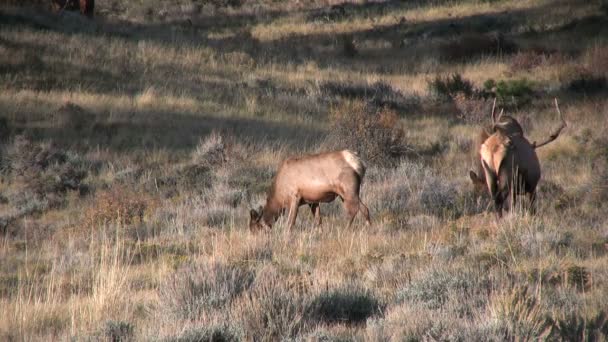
{"x":508,"y":160}
{"x":311,"y":180}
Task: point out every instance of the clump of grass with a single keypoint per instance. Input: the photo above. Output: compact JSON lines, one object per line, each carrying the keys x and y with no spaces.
{"x":349,"y":304}
{"x":576,"y":327}
{"x":197,"y":290}
{"x":375,"y":133}
{"x":521,"y":315}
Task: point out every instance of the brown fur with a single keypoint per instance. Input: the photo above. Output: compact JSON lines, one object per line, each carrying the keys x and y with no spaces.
{"x":509,"y":162}
{"x":310,"y":180}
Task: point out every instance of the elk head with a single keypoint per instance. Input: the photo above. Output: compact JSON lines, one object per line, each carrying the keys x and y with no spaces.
{"x":256,"y":221}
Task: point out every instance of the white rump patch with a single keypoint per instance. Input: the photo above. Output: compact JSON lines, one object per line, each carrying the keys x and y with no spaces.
{"x":355,"y":162}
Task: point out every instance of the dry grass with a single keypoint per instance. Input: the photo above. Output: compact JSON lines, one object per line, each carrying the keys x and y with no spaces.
{"x":153,"y":130}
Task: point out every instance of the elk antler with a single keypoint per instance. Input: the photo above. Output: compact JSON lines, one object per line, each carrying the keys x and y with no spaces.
{"x":493,"y":109}
{"x":556,"y":133}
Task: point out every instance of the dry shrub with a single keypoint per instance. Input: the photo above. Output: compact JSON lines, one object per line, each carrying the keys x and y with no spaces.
{"x":596,"y":60}
{"x":591,"y":75}
{"x":474,"y":45}
{"x":43,"y":172}
{"x":196,"y":290}
{"x":118,"y":206}
{"x":472,"y":110}
{"x":374,"y":133}
{"x":274,"y":309}
{"x":210,"y":151}
{"x":527,"y":60}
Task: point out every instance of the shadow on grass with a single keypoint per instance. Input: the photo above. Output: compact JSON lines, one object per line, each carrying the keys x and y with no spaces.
{"x":162,"y":130}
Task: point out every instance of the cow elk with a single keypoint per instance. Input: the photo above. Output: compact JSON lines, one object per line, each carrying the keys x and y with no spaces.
{"x":507,"y":161}
{"x":311,"y":180}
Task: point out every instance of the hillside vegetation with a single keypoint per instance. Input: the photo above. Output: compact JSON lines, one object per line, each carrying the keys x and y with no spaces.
{"x":132,"y":147}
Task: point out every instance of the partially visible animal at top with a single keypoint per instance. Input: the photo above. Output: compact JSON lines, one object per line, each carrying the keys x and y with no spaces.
{"x":86,"y":7}
{"x":508,"y":160}
{"x":313,"y":179}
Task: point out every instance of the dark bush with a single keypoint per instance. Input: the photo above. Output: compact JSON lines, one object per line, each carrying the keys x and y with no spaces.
{"x":472,"y":45}
{"x":346,"y":305}
{"x":588,"y":84}
{"x":446,"y":87}
{"x":118,"y":331}
{"x":379,"y":94}
{"x":5,"y":130}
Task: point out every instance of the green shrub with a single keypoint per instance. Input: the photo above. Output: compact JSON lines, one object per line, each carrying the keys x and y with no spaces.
{"x":510,"y":93}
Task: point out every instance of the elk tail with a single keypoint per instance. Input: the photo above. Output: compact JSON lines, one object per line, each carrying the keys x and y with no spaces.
{"x":355,"y":162}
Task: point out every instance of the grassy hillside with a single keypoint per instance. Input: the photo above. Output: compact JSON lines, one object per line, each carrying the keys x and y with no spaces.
{"x":134,"y":145}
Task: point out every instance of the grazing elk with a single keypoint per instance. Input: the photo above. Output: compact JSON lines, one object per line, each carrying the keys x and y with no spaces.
{"x":313,"y":179}
{"x":86,"y":7}
{"x":508,"y":164}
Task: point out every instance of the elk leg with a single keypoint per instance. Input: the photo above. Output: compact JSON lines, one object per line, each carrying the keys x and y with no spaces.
{"x":492,"y":182}
{"x":352,"y":207}
{"x":293,"y":211}
{"x":315,"y":208}
{"x":532,"y":198}
{"x":365,"y":212}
